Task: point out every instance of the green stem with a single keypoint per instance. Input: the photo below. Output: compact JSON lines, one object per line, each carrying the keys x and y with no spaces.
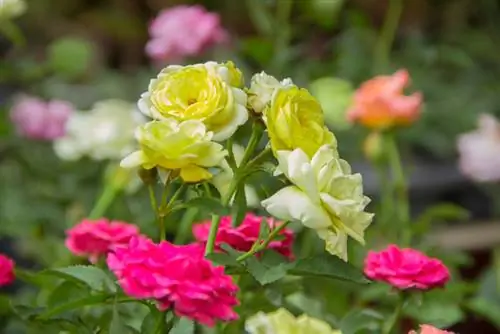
{"x":231,"y":161}
{"x":387,"y":35}
{"x":258,"y":247}
{"x":156,"y":210}
{"x":105,"y":200}
{"x":257,"y":132}
{"x":400,"y":189}
{"x":392,"y":322}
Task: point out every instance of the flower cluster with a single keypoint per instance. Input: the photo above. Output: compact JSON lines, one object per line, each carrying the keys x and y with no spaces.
{"x":41,"y":120}
{"x":283,"y":322}
{"x":104,"y":132}
{"x":480,"y":151}
{"x":6,"y":270}
{"x":177,"y":277}
{"x":243,"y":237}
{"x":95,"y":238}
{"x":406,"y":269}
{"x":184,"y":31}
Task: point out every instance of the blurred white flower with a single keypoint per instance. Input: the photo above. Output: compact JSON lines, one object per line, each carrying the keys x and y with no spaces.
{"x":10,"y":9}
{"x":104,"y":132}
{"x":222,"y":180}
{"x":480,"y":151}
{"x":262,"y":88}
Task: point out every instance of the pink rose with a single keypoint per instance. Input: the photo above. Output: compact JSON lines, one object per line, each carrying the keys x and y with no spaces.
{"x":244,"y":236}
{"x":427,"y":329}
{"x":6,"y":270}
{"x":37,"y":119}
{"x":406,"y":268}
{"x":480,"y":151}
{"x":95,"y":238}
{"x":183,"y":31}
{"x":177,"y":277}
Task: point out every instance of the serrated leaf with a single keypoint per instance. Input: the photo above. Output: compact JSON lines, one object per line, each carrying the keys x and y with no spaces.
{"x":270,"y":268}
{"x":75,"y":304}
{"x":222,"y":259}
{"x":66,"y":291}
{"x":183,"y":326}
{"x":326,"y":265}
{"x":92,"y":276}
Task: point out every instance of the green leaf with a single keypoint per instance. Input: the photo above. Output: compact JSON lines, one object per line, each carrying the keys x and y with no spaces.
{"x":76,"y":304}
{"x":92,"y":276}
{"x":117,"y":326}
{"x":358,"y":320}
{"x":66,"y":291}
{"x":270,"y":268}
{"x":183,"y":326}
{"x":210,"y":205}
{"x":487,"y":309}
{"x":239,"y":207}
{"x":31,"y":278}
{"x":326,"y":265}
{"x":223,"y":259}
{"x":70,"y":57}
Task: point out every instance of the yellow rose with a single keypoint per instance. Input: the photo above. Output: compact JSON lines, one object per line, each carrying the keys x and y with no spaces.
{"x":184,"y":146}
{"x":294,"y":119}
{"x":283,"y":322}
{"x":208,"y":92}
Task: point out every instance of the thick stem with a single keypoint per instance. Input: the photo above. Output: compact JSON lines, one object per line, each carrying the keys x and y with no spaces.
{"x":400,"y":189}
{"x":105,"y":200}
{"x":262,"y":246}
{"x":387,"y":35}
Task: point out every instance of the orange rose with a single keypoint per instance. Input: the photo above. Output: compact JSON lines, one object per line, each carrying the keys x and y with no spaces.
{"x":427,"y":329}
{"x":380,"y":102}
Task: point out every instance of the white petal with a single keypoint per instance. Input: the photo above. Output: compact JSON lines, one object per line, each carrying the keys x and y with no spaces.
{"x":240,"y":117}
{"x":336,"y":242}
{"x":133,"y":160}
{"x":290,"y":203}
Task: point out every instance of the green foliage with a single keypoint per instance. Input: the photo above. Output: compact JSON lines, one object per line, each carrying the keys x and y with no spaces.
{"x":70,"y":57}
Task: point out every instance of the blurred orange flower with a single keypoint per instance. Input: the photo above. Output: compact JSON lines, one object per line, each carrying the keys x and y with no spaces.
{"x":427,"y":329}
{"x":380,"y":102}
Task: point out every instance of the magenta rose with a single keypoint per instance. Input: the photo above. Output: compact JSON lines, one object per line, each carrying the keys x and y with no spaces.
{"x":95,"y":238}
{"x":177,"y":277}
{"x":6,"y":270}
{"x":242,"y":237}
{"x":406,"y":269}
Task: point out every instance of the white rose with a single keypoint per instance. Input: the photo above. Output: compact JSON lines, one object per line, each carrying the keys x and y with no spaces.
{"x":262,"y":87}
{"x":105,"y":132}
{"x":11,"y":8}
{"x":324,"y":196}
{"x":222,"y":180}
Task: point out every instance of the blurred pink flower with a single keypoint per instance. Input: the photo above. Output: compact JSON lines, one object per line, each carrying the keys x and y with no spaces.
{"x":177,"y":277}
{"x":38,"y":119}
{"x":244,"y":236}
{"x":406,"y":268}
{"x":183,"y":31}
{"x":427,"y":329}
{"x":480,"y":151}
{"x":95,"y":238}
{"x":6,"y":270}
{"x":380,"y":102}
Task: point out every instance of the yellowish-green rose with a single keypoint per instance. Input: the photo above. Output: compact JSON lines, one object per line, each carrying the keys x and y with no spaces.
{"x":283,"y":322}
{"x":209,"y":92}
{"x":324,"y":196}
{"x":10,"y":9}
{"x":262,"y":88}
{"x":183,"y":146}
{"x":294,"y":119}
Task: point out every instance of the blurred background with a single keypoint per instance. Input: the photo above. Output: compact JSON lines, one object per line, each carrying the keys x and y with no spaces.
{"x":84,"y":51}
